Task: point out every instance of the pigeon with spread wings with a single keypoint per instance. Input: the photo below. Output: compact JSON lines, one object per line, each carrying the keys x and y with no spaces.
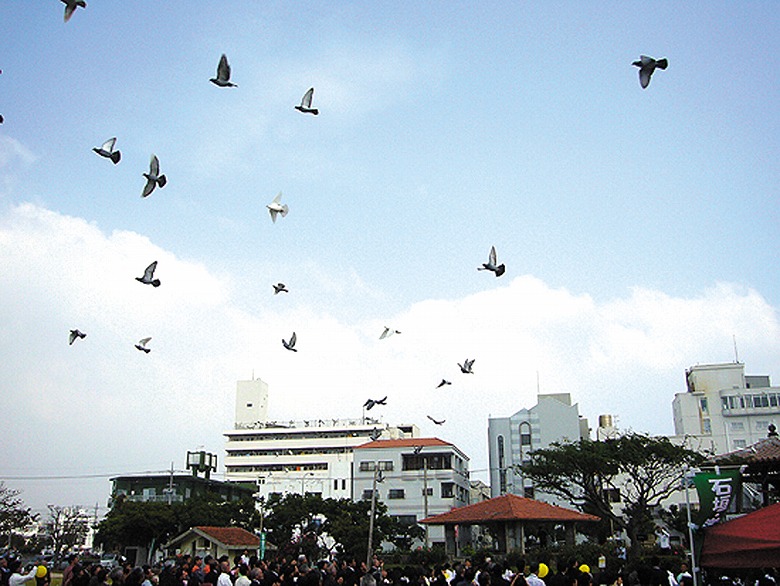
{"x":436,"y":421}
{"x":648,"y":65}
{"x":305,"y":105}
{"x":153,"y":177}
{"x":74,"y":335}
{"x":148,"y":278}
{"x":276,"y":207}
{"x":107,"y":150}
{"x":491,"y":264}
{"x":223,"y":73}
{"x":291,"y":344}
{"x":141,"y":345}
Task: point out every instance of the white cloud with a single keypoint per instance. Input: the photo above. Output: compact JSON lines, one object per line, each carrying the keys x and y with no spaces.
{"x":113,"y":409}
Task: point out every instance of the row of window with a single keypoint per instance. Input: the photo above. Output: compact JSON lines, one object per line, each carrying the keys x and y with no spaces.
{"x":275,"y":467}
{"x":447,"y":491}
{"x":761,"y":401}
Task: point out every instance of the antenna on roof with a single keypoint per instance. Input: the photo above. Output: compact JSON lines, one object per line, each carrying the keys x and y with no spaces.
{"x":736,"y":354}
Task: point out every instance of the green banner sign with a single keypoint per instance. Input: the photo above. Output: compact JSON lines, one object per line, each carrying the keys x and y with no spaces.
{"x":717,"y":490}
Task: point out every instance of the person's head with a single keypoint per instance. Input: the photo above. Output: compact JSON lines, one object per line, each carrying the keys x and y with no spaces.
{"x":367,"y":580}
{"x":14,"y":565}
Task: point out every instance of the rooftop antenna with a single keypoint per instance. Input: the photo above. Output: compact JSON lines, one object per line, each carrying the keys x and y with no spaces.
{"x":736,"y":354}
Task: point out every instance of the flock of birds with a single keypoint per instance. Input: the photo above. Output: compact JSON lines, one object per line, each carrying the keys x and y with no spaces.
{"x":154,"y":179}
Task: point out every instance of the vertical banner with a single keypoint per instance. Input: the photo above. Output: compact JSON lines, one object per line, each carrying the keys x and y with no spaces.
{"x":717,"y":490}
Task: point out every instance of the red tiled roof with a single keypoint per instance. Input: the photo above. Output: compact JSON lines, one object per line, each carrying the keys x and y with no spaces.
{"x":765,"y":450}
{"x":404,"y":443}
{"x":230,"y":536}
{"x":508,"y":507}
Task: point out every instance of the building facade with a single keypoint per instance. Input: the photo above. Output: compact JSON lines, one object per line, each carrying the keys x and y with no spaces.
{"x":723,"y":409}
{"x":309,"y":456}
{"x":512,"y":439}
{"x":416,"y":478}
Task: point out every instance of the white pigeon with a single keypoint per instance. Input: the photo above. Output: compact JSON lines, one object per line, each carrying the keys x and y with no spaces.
{"x":141,"y":345}
{"x":148,"y":278}
{"x":647,"y":65}
{"x":305,"y":105}
{"x":107,"y":150}
{"x":277,"y":208}
{"x":280,"y":288}
{"x":465,"y":368}
{"x":291,"y":344}
{"x":491,"y":265}
{"x":387,"y":333}
{"x":153,"y":177}
{"x":75,"y":334}
{"x":70,"y":7}
{"x":437,"y":422}
{"x":223,"y":73}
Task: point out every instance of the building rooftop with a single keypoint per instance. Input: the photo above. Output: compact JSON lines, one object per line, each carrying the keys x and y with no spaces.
{"x":508,"y":507}
{"x":412,"y":442}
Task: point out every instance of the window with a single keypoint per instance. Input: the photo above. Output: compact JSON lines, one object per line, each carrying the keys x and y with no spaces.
{"x":447,"y":490}
{"x":760,"y":401}
{"x":773,"y":400}
{"x":367,"y":494}
{"x":428,"y":491}
{"x":740,"y":443}
{"x":528,"y":492}
{"x":386,"y":465}
{"x":500,"y":442}
{"x":737,"y":426}
{"x":430,"y":461}
{"x":706,"y":426}
{"x":367,"y":466}
{"x":336,"y":484}
{"x":761,"y":425}
{"x":525,"y":434}
{"x":405,"y":519}
{"x":396,"y":493}
{"x":703,"y":405}
{"x":343,"y":484}
{"x":725,"y":403}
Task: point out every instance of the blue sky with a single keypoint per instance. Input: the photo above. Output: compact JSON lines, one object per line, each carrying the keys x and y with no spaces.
{"x":639,"y":227}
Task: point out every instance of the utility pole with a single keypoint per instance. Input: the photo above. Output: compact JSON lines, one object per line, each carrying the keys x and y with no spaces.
{"x":425,"y":497}
{"x":377,"y":478}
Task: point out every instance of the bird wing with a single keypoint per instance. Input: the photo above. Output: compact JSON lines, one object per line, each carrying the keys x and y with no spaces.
{"x":273,"y":213}
{"x":109,"y":144}
{"x":307,"y":97}
{"x":278,"y":198}
{"x":492,"y":256}
{"x":149,"y":272}
{"x":154,"y":166}
{"x":148,"y":188}
{"x":644,"y":76}
{"x":470,"y":363}
{"x":72,"y":336}
{"x":69,"y":10}
{"x":223,"y":69}
{"x":293,"y":339}
{"x":144,"y":341}
{"x":385,"y":333}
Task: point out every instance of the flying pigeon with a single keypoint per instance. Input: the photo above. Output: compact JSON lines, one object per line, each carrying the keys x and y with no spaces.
{"x":465,"y":368}
{"x":291,"y":344}
{"x":442,"y":383}
{"x":647,"y":65}
{"x":490,"y":265}
{"x":141,"y":345}
{"x":435,"y":421}
{"x":280,"y":288}
{"x":387,"y":333}
{"x":153,"y":177}
{"x":75,"y":334}
{"x":70,"y":7}
{"x":305,"y":106}
{"x":277,"y":208}
{"x":368,"y":405}
{"x":375,"y":434}
{"x":223,"y":74}
{"x":417,"y":449}
{"x":148,"y":278}
{"x":107,"y":150}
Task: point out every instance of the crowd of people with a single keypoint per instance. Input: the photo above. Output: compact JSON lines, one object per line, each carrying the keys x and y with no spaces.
{"x":249,"y":570}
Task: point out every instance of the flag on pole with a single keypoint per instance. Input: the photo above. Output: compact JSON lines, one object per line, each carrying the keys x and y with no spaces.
{"x":716,"y":490}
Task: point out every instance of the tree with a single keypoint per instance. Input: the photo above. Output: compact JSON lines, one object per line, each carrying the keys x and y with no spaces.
{"x":311,"y":525}
{"x":14,"y":516}
{"x":67,"y":526}
{"x":643,"y":470}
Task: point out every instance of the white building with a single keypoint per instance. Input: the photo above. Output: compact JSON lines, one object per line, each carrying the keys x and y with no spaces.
{"x":420,"y":477}
{"x":723,"y":409}
{"x":511,"y":440}
{"x":311,"y":456}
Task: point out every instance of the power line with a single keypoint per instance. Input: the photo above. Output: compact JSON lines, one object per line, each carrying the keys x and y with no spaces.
{"x":79,"y":476}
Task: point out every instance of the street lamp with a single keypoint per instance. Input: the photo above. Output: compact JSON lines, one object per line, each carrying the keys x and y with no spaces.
{"x":378,"y":477}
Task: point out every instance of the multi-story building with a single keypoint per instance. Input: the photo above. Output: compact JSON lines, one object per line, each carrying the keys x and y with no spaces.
{"x":416,"y":478}
{"x":512,"y":439}
{"x":723,"y":409}
{"x":310,"y":456}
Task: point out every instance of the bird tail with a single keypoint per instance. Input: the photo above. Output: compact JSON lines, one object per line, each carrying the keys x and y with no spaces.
{"x":500,"y":270}
{"x":156,"y":283}
{"x":662,"y":63}
{"x":162,"y":180}
{"x":284,"y":210}
{"x":115,"y":156}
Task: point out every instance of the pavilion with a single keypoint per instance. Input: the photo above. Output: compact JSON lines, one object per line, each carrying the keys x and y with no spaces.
{"x":510,"y":518}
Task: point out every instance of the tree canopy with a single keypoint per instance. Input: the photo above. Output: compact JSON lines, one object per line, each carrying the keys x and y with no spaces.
{"x":642,"y":470}
{"x":14,"y":515}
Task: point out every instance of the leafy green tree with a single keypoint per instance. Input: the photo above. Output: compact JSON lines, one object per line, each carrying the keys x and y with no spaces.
{"x":14,"y":516}
{"x":136,"y":523}
{"x":644,"y":470}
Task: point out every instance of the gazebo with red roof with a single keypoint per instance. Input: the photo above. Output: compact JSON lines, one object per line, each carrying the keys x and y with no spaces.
{"x":216,"y":541}
{"x":510,"y":518}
